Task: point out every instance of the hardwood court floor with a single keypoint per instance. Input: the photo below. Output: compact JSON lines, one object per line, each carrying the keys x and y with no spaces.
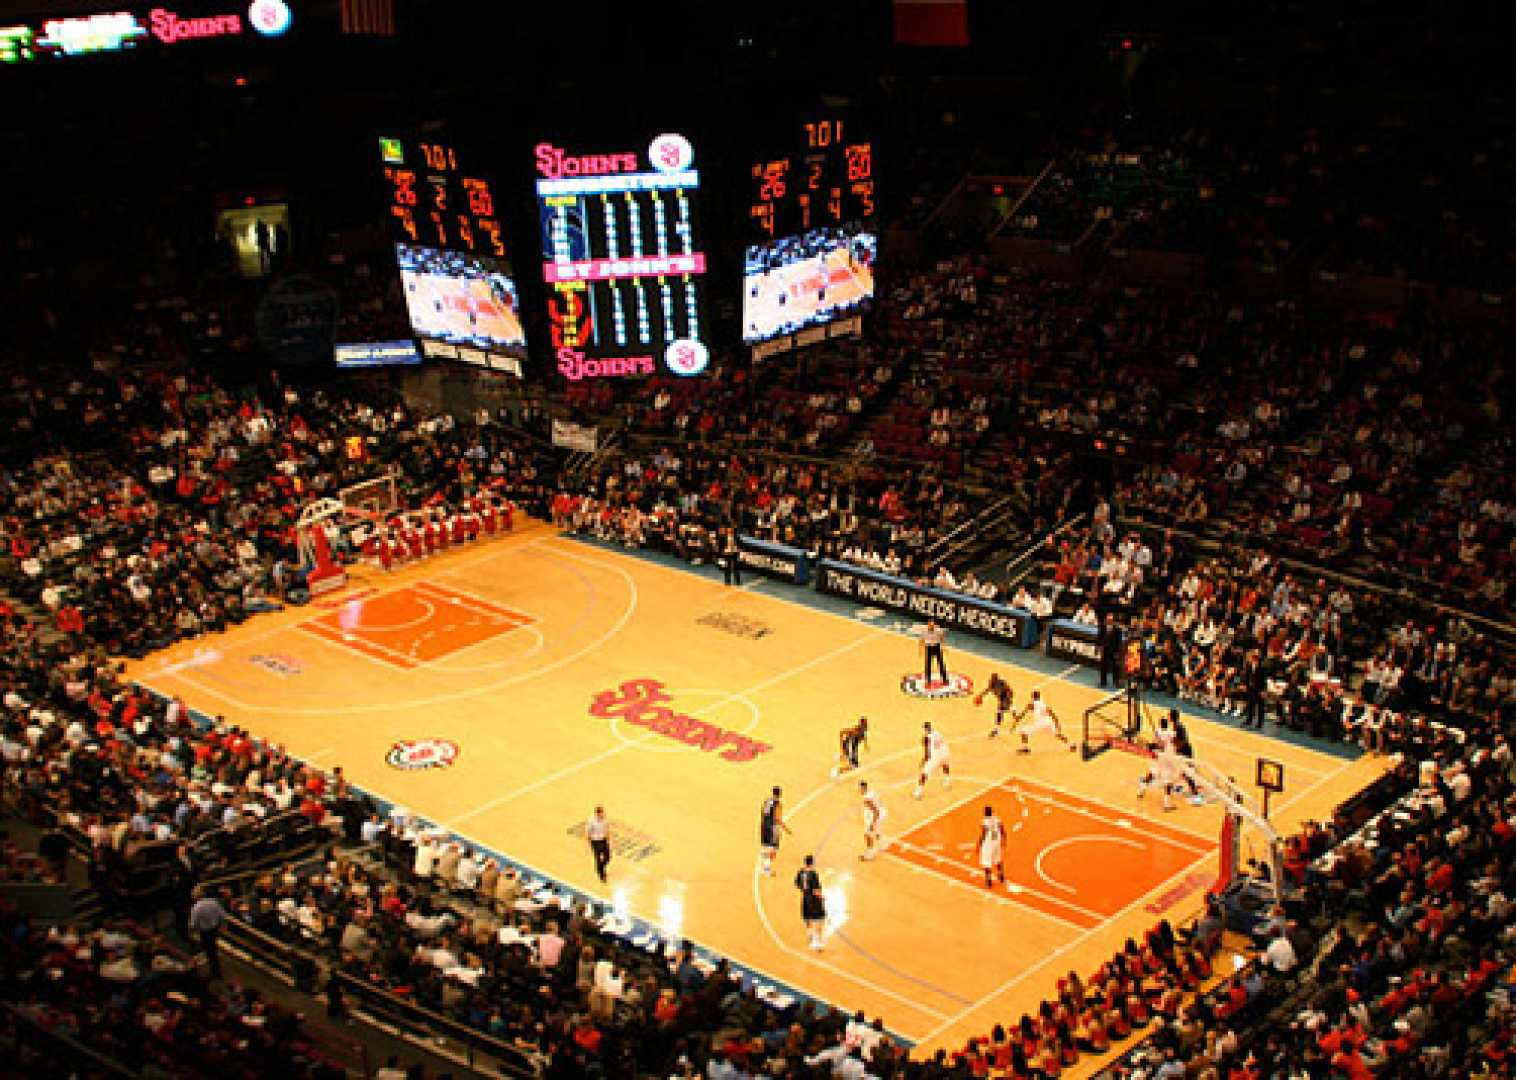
{"x":568,"y":675}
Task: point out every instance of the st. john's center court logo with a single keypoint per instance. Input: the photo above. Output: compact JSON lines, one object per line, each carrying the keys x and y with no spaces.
{"x":917,"y":686}
{"x":413,"y":754}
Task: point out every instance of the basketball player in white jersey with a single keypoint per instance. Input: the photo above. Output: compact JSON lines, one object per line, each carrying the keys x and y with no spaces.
{"x":991,"y":847}
{"x":1043,"y":719}
{"x":873,"y":820}
{"x":934,"y":756}
{"x":1164,"y":771}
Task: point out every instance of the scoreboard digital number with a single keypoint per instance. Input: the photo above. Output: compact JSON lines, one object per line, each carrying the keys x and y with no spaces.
{"x":450,"y":248}
{"x":827,"y":180}
{"x":435,"y":203}
{"x":808,"y":268}
{"x":622,"y":259}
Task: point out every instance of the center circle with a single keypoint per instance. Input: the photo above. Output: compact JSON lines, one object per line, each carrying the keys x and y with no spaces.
{"x":640,"y":738}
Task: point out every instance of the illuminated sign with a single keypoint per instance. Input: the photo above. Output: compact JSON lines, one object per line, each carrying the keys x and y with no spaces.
{"x":169,"y":28}
{"x":483,"y":358}
{"x":375,"y":353}
{"x":110,"y":31}
{"x":574,"y":365}
{"x":553,"y":162}
{"x":622,"y":259}
{"x":16,"y":44}
{"x":271,"y":18}
{"x":117,"y":31}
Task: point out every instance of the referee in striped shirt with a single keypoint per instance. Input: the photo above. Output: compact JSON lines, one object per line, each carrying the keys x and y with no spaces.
{"x":931,"y":644}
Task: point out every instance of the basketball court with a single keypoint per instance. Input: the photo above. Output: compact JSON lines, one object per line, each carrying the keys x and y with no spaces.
{"x":504,"y":689}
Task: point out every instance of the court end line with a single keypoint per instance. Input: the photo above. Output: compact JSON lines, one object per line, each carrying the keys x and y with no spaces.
{"x":436,"y":699}
{"x":1010,"y":984}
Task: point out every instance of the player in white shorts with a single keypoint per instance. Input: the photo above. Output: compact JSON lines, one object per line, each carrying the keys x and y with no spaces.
{"x":991,"y":847}
{"x":873,"y":820}
{"x":934,"y":756}
{"x":1165,"y":771}
{"x":1043,"y":719}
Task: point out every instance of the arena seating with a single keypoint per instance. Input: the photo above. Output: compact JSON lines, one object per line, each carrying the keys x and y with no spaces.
{"x":1242,"y":461}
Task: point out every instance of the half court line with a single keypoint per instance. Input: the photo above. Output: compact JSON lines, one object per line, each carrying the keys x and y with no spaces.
{"x":610,"y":752}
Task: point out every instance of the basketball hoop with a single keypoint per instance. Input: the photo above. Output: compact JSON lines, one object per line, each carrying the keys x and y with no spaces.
{"x":323,"y":574}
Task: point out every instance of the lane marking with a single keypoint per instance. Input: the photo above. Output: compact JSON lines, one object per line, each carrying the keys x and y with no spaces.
{"x":1016,"y":980}
{"x":472,"y":691}
{"x":1081,"y":838}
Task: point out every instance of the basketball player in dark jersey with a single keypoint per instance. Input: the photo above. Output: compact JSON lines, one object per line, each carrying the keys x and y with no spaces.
{"x":770,"y":825}
{"x":812,"y":902}
{"x":1185,"y":749}
{"x":1004,"y":697}
{"x":851,"y":740}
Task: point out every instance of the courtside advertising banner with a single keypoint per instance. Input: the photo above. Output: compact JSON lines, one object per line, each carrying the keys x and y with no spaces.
{"x":776,"y":560}
{"x":1074,"y":641}
{"x":983,"y":617}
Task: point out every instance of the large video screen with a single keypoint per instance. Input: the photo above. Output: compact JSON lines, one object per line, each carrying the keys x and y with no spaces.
{"x":460,"y":298}
{"x":623,"y":260}
{"x":810,"y":279}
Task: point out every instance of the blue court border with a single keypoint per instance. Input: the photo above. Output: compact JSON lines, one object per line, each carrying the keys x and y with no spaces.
{"x":1033,"y":659}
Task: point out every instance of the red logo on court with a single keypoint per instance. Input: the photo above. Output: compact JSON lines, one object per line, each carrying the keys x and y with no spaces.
{"x":640,"y":702}
{"x":956,"y":686}
{"x":415,"y":754}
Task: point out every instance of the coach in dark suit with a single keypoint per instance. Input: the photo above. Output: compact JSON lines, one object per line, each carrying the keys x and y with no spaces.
{"x":1110,"y":649}
{"x":1254,"y":679}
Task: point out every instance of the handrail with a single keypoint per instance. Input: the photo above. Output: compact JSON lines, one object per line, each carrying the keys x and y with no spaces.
{"x":71,"y":1045}
{"x":943,"y":202}
{"x":1503,"y":630}
{"x":1010,"y":567}
{"x":1010,"y":215}
{"x":988,"y":512}
{"x":283,"y":955}
{"x":511,"y":1060}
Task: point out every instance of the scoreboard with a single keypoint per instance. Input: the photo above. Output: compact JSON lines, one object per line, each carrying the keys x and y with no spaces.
{"x":436,"y":203}
{"x":449,"y":245}
{"x":623,"y":263}
{"x":812,"y":235}
{"x":826,"y":177}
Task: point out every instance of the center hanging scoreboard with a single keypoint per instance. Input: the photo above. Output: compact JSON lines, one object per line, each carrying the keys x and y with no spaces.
{"x":435,"y":202}
{"x":623,"y":258}
{"x":825,"y":178}
{"x":812,"y":236}
{"x":459,"y":289}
